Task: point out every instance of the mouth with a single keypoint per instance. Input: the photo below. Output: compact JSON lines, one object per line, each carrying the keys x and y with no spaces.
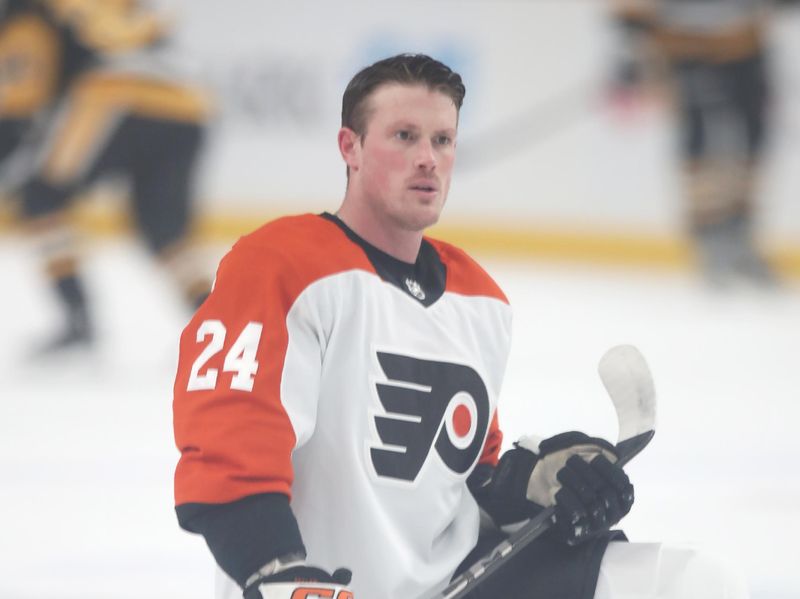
{"x":424,"y":187}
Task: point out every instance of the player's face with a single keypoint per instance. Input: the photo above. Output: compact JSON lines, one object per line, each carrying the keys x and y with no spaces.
{"x":402,"y":166}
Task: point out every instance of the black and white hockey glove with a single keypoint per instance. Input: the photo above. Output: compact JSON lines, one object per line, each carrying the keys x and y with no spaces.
{"x":293,"y":578}
{"x":575,"y":472}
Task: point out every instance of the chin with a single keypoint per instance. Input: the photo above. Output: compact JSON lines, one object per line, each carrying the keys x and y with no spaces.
{"x":417,"y":215}
{"x":425,"y":219}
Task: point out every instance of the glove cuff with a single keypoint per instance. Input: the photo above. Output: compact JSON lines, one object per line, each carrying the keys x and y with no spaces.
{"x":275,"y":566}
{"x":290,"y":590}
{"x":288,"y":575}
{"x":573,"y":439}
{"x":530,"y":442}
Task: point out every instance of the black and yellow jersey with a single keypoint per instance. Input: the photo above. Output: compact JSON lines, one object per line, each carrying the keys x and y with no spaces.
{"x":109,"y":26}
{"x":38,"y":58}
{"x":82,"y":66}
{"x":713,"y":31}
{"x":46,"y":44}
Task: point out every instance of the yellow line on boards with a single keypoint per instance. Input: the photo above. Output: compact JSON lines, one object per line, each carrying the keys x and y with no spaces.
{"x":595,"y":246}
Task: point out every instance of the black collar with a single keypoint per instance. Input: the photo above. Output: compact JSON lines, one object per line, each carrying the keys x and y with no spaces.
{"x":424,"y":280}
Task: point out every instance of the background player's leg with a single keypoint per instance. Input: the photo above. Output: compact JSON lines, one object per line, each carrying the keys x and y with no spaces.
{"x":162,"y":200}
{"x":81,"y":145}
{"x":724,"y":115}
{"x":699,"y":95}
{"x":47,"y":223}
{"x":719,"y":169}
{"x":747,"y":83}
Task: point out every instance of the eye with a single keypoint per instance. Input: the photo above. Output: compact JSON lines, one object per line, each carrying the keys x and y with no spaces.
{"x":442,"y":140}
{"x":404,"y":135}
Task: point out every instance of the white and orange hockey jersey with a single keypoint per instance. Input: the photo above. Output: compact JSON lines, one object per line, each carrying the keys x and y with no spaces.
{"x":362,"y":387}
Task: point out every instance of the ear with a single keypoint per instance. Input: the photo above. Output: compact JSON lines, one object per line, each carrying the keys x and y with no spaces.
{"x":349,"y":147}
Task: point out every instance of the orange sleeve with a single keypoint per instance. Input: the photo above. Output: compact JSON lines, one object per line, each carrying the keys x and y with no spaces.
{"x":234,"y":441}
{"x":234,"y":435}
{"x":494,"y":440}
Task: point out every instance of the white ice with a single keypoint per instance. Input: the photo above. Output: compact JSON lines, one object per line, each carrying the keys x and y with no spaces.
{"x":86,"y":451}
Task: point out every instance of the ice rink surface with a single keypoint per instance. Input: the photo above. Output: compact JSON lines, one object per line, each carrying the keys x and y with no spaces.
{"x":87,"y":455}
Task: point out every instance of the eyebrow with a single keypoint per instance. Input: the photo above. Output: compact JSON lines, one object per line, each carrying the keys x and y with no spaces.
{"x":452,"y":131}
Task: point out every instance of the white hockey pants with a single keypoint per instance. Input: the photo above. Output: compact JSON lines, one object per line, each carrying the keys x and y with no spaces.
{"x":658,"y":571}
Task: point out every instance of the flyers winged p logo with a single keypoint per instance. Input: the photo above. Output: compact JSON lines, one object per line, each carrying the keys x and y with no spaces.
{"x":428,"y":405}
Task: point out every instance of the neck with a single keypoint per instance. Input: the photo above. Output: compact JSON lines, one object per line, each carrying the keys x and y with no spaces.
{"x":381,"y":232}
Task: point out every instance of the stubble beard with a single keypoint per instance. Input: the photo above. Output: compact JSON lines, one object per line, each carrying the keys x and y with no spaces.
{"x":417,"y":216}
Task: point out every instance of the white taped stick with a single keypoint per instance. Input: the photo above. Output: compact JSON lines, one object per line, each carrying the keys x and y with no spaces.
{"x":629,"y":384}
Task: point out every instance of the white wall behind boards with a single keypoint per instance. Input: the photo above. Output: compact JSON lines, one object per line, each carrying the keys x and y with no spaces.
{"x":537,"y":143}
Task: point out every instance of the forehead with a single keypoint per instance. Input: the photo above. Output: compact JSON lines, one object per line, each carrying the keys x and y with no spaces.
{"x":413,"y":103}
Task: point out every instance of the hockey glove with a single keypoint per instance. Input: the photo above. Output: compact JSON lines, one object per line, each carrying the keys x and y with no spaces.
{"x":298,"y":580}
{"x":573,"y":471}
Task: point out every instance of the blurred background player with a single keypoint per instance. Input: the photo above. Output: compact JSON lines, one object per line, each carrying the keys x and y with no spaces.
{"x":715,"y":53}
{"x":86,"y":91}
{"x":28,"y":82}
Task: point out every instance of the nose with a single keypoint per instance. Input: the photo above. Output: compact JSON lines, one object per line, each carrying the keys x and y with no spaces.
{"x":425,"y":158}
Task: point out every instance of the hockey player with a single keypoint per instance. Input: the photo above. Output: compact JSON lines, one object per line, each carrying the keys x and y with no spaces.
{"x":715,"y":52}
{"x":79,"y":87}
{"x":335,"y":403}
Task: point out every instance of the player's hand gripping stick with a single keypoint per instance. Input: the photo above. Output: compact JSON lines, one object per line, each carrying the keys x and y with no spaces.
{"x":629,"y":384}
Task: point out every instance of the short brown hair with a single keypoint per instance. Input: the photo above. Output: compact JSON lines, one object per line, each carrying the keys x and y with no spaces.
{"x":402,"y":68}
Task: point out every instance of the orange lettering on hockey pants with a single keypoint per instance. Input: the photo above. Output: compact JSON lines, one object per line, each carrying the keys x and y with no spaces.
{"x":306,"y":593}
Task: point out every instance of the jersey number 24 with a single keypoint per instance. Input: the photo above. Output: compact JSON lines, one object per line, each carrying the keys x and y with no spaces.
{"x":240,"y":359}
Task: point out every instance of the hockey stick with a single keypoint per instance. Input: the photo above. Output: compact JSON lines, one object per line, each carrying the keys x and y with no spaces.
{"x":627,"y":379}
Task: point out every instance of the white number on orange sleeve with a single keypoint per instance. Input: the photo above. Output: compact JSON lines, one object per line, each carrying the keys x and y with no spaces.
{"x":240,"y":359}
{"x":208,"y":380}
